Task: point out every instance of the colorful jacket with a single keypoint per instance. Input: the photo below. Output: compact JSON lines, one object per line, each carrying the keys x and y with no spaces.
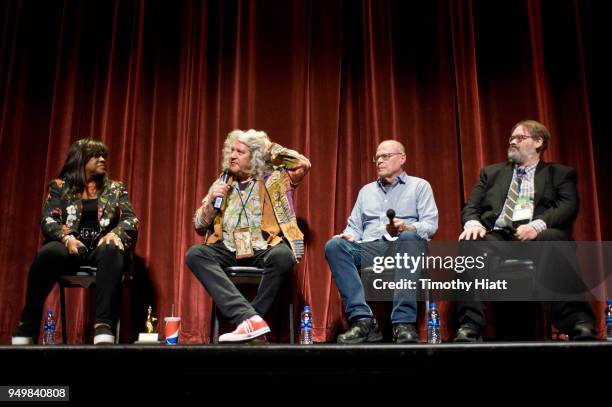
{"x":63,"y":209}
{"x":278,"y":210}
{"x":278,"y":214}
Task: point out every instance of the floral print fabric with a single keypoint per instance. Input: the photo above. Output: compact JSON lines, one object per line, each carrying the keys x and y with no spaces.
{"x":62,"y":212}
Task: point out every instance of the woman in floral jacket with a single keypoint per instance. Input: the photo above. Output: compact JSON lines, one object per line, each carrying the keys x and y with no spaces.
{"x":87,"y":219}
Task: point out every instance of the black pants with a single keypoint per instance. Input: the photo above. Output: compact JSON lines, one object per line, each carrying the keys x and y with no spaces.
{"x":53,"y":261}
{"x":563,"y":313}
{"x":208,"y":261}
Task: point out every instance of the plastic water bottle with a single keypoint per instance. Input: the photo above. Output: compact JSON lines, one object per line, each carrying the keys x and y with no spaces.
{"x":306,"y":326}
{"x":433,"y":324}
{"x":609,"y":320}
{"x":49,"y":329}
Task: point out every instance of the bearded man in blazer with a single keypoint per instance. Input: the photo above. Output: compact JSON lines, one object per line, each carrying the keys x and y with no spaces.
{"x":545,"y":195}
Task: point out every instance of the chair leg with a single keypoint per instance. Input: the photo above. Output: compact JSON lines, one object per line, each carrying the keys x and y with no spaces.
{"x":117,"y":330}
{"x":63,"y":315}
{"x":291,"y":327}
{"x":216,"y":325}
{"x":546,"y":310}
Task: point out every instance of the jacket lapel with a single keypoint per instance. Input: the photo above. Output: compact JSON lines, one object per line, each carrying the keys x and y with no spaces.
{"x":74,"y":209}
{"x":103,"y":200}
{"x":539,"y":182}
{"x":78,"y":205}
{"x":505,"y":178}
{"x":262,"y":192}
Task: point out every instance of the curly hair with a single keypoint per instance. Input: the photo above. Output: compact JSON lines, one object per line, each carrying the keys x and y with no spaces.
{"x":258,"y":143}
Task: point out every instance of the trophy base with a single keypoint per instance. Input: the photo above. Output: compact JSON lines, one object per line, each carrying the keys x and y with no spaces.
{"x":147,"y":338}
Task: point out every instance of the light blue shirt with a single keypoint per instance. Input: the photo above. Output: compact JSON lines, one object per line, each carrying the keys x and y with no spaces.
{"x":410,"y":197}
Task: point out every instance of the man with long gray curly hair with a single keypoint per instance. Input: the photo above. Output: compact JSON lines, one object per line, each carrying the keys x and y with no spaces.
{"x":248,"y":219}
{"x":259,"y":145}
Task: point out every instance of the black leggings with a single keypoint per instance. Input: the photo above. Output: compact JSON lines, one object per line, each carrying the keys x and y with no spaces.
{"x":53,"y":261}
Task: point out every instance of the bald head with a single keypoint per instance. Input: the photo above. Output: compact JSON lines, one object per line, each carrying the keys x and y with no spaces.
{"x":390,"y":158}
{"x":394,"y":145}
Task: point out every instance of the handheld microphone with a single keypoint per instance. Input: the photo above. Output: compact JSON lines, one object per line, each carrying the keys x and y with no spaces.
{"x":391,"y":229}
{"x":219,"y":200}
{"x":390,"y":215}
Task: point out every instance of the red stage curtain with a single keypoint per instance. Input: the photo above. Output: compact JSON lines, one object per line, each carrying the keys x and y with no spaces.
{"x":162,"y":83}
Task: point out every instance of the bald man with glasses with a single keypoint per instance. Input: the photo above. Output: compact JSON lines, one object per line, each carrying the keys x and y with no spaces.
{"x":369,"y":233}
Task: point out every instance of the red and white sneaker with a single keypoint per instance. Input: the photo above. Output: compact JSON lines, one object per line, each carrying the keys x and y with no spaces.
{"x":248,"y":329}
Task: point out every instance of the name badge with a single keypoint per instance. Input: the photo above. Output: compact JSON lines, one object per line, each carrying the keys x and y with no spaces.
{"x":244,"y":245}
{"x":523,"y":209}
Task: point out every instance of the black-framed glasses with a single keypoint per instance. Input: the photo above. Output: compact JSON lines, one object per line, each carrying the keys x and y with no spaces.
{"x":384,"y":157}
{"x":518,"y":137}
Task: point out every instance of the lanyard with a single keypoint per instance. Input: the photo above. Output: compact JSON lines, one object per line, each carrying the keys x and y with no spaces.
{"x":244,"y":204}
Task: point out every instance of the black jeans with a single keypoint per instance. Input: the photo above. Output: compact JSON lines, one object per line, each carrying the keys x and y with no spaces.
{"x":564,"y":313}
{"x":208,"y":261}
{"x":53,"y":261}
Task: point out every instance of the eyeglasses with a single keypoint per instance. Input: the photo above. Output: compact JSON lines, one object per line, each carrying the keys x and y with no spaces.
{"x":519,"y":138}
{"x":385,"y":157}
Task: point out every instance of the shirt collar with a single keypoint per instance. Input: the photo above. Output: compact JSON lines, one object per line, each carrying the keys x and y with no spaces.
{"x":528,"y":168}
{"x":402,"y":179}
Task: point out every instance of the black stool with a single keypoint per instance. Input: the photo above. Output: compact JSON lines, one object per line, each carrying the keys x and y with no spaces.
{"x":521,"y":273}
{"x":252,"y":276}
{"x":84,"y":278}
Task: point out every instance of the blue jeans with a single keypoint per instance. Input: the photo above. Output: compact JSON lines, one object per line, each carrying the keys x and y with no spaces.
{"x":344,"y":259}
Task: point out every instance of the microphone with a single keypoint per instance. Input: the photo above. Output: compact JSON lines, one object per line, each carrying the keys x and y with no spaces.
{"x":390,"y":215}
{"x":219,"y":200}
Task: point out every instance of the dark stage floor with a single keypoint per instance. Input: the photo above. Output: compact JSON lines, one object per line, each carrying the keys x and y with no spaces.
{"x":195,"y":371}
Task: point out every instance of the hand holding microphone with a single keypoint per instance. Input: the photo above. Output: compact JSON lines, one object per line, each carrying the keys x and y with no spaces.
{"x":75,"y":246}
{"x":220,"y":190}
{"x":396,"y":226}
{"x":392,"y":229}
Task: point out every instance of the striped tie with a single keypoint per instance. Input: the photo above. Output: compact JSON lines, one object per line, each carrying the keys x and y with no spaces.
{"x":512,"y":196}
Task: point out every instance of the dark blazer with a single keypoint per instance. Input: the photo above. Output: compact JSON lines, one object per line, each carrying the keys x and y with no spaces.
{"x":556,"y":197}
{"x":63,"y":209}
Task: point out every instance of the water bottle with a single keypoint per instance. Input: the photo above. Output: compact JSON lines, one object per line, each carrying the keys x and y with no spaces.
{"x":609,"y":320}
{"x":433,"y":324}
{"x":49,"y":329}
{"x":306,"y":326}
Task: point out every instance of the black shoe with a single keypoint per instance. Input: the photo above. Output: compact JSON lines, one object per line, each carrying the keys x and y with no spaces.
{"x":583,"y":331}
{"x":365,"y":330}
{"x":24,"y":335}
{"x":405,"y":333}
{"x":103,"y":336}
{"x":468,"y":332}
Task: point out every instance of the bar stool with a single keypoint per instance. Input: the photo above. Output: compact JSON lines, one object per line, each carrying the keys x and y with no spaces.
{"x":521,"y":273}
{"x":84,"y":278}
{"x":241,"y":275}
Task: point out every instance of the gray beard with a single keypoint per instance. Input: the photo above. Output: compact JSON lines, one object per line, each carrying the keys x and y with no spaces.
{"x":515,"y":157}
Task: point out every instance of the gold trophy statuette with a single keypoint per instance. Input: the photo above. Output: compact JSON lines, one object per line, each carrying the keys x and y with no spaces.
{"x":150,"y":336}
{"x":151,"y":321}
